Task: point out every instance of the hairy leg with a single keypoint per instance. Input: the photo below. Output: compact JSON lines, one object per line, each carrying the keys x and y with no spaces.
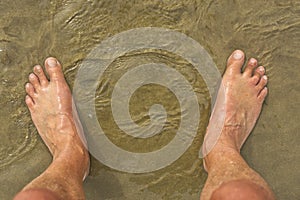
{"x":50,"y":105}
{"x":241,"y":99}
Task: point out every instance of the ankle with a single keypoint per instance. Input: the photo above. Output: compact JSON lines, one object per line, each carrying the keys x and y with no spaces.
{"x":231,"y":137}
{"x":77,"y":159}
{"x":221,"y":153}
{"x":72,"y":151}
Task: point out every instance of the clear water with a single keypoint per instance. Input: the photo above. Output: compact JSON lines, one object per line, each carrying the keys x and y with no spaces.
{"x":268,"y":30}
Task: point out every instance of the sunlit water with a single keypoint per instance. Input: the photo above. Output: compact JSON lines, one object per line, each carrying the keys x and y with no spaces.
{"x":270,"y":31}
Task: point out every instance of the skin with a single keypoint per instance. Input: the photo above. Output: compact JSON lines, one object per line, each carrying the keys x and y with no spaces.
{"x":229,"y":176}
{"x":50,"y":105}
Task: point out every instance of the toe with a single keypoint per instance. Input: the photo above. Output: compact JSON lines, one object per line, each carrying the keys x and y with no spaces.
{"x":235,"y":62}
{"x":262,"y":82}
{"x":255,"y":78}
{"x":261,"y":70}
{"x":34,"y":80}
{"x":251,"y":65}
{"x":54,"y":69}
{"x":29,"y":102}
{"x":263,"y":93}
{"x":30,"y":90}
{"x":41,"y":75}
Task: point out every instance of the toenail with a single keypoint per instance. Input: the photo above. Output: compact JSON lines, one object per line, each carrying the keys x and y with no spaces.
{"x":38,"y":68}
{"x":237,"y":55}
{"x":253,"y":61}
{"x":52,"y":62}
{"x":31,"y":76}
{"x":261,"y":69}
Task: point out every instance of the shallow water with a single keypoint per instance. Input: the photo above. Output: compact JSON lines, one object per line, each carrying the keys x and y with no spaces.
{"x":270,"y":31}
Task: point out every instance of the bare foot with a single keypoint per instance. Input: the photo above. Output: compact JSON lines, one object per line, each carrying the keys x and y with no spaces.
{"x":50,"y":105}
{"x":244,"y":93}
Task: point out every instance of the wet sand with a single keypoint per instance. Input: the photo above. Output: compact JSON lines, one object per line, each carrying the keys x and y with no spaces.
{"x":270,"y":31}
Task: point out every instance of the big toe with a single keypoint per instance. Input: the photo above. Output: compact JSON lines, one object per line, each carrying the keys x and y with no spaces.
{"x":54,"y":69}
{"x":235,"y":62}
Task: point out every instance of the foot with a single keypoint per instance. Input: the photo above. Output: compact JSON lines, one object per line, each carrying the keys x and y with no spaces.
{"x":50,"y":105}
{"x":240,"y":100}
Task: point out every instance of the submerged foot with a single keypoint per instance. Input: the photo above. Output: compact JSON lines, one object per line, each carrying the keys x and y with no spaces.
{"x":240,"y":99}
{"x":50,"y":105}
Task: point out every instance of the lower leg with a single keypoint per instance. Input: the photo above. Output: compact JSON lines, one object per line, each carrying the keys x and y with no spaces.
{"x":240,"y":189}
{"x":62,"y":179}
{"x":230,"y":177}
{"x":240,"y":100}
{"x":39,"y":194}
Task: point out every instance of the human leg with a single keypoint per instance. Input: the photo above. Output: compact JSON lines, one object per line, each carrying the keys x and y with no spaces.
{"x":50,"y":105}
{"x":228,"y":173}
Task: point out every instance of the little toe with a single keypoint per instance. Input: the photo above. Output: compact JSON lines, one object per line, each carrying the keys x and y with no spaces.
{"x":235,"y":62}
{"x":41,"y":75}
{"x":262,"y":82}
{"x":34,"y":80}
{"x":263,"y":93}
{"x":251,"y":65}
{"x":30,"y":90}
{"x":54,"y":69}
{"x":29,"y":102}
